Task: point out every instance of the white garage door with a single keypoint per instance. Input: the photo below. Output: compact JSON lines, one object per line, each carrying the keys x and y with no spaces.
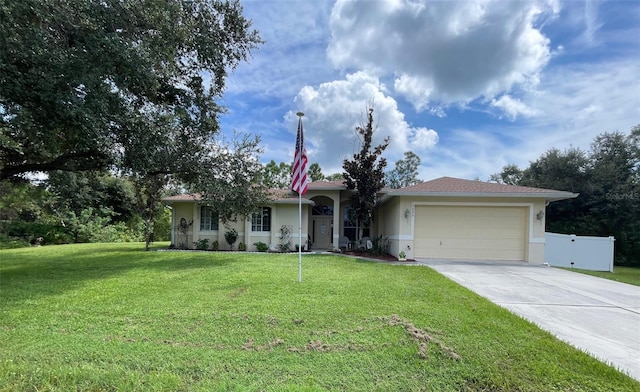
{"x":483,"y":233}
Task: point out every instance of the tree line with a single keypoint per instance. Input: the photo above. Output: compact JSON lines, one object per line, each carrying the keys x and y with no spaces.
{"x":607,"y":177}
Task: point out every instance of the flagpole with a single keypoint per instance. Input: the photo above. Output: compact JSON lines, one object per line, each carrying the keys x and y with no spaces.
{"x":299,"y":238}
{"x":300,"y":114}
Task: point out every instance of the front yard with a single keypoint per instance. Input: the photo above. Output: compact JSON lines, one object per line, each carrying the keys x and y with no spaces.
{"x":113,"y":317}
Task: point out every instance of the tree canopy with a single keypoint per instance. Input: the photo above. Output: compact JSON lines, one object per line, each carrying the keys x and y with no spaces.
{"x":131,"y":87}
{"x":88,"y":84}
{"x":405,"y":173}
{"x":335,"y":177}
{"x":276,"y":176}
{"x":315,"y":172}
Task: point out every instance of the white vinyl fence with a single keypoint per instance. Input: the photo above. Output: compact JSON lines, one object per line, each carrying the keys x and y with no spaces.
{"x":572,"y":251}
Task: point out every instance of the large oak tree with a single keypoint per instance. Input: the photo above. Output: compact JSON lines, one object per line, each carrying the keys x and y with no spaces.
{"x":94,"y":84}
{"x":130,"y":86}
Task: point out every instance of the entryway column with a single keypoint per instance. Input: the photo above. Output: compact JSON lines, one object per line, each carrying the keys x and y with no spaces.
{"x":337,"y":222}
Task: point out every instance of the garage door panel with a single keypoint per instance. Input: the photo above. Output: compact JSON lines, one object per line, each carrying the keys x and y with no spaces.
{"x":488,"y":233}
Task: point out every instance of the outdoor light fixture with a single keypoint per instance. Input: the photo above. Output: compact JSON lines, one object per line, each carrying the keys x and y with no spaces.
{"x":406,"y":213}
{"x":540,"y":215}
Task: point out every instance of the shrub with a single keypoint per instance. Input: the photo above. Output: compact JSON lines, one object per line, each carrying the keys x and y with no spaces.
{"x":380,"y":246}
{"x":7,"y":242}
{"x":202,"y":244}
{"x":215,"y":246}
{"x":51,"y":234}
{"x":261,"y":246}
{"x":242,"y":247}
{"x":231,"y":236}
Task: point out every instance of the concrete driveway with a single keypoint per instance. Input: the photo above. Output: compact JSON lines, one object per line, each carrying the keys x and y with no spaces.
{"x":596,"y":315}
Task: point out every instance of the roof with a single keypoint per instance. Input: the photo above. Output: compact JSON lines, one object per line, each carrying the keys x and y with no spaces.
{"x":443,"y":186}
{"x":448,"y":186}
{"x":327,"y":185}
{"x":279,"y":196}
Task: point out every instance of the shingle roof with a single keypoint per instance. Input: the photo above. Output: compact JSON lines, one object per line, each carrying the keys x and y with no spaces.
{"x":184,"y":197}
{"x":443,"y":186}
{"x":326,"y":185}
{"x":448,"y":186}
{"x":281,"y":196}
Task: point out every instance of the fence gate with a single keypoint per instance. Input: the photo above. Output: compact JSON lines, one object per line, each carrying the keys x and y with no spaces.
{"x":572,"y":251}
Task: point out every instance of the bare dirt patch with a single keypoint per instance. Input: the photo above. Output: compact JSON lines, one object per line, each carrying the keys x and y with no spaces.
{"x":422,"y":337}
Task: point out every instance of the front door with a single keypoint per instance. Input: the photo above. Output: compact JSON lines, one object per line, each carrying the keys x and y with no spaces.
{"x":321,"y":233}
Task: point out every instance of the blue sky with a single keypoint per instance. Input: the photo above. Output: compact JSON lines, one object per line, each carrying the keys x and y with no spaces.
{"x":468,"y":86}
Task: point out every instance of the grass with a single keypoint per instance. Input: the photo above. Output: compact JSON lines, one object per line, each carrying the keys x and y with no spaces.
{"x":112,"y":317}
{"x":630,"y":275}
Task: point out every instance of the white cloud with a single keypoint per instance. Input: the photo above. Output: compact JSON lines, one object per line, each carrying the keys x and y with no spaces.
{"x":503,"y":92}
{"x":513,"y":107}
{"x":424,"y":139}
{"x":333,"y":111}
{"x":573,"y":105}
{"x":443,"y":52}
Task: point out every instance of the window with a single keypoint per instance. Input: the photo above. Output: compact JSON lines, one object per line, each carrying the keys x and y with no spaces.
{"x":351,"y":224}
{"x":261,"y":221}
{"x":208,"y":219}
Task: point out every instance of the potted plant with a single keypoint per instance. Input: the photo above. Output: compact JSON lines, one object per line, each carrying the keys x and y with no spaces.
{"x":402,"y":256}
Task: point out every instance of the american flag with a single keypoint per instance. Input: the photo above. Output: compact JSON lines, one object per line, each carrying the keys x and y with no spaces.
{"x":299,"y":180}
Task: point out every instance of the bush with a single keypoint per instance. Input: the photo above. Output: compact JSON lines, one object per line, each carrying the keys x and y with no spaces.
{"x":380,"y":246}
{"x":29,"y":232}
{"x":261,"y":246}
{"x":242,"y":247}
{"x":231,"y":236}
{"x":215,"y":246}
{"x":118,"y":232}
{"x":202,"y":244}
{"x":7,"y":242}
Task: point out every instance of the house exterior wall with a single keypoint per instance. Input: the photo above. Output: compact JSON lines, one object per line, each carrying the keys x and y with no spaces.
{"x":183,"y":211}
{"x":390,"y":225}
{"x":394,"y":220}
{"x":281,"y":214}
{"x":240,"y":227}
{"x":287,"y":215}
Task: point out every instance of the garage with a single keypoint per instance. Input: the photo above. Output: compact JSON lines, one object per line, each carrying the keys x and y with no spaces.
{"x":471,"y":232}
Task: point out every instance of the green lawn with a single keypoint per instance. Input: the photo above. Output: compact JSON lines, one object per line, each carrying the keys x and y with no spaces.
{"x":113,"y":317}
{"x":630,"y":275}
